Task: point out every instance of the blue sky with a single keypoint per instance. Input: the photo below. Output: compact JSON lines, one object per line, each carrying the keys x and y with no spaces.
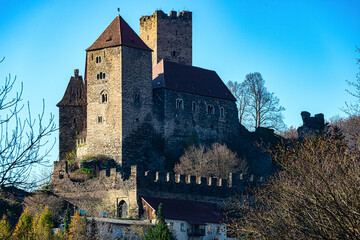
{"x":305,"y":50}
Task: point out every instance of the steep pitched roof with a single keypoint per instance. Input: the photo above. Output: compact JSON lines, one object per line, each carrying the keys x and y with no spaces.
{"x":118,"y":33}
{"x":189,"y":79}
{"x":193,"y":212}
{"x":75,"y":94}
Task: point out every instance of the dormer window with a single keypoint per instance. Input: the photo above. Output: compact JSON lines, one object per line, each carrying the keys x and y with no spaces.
{"x":179,"y":103}
{"x":210,"y":110}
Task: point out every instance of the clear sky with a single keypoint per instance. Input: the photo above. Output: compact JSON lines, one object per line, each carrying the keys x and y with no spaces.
{"x":305,"y":50}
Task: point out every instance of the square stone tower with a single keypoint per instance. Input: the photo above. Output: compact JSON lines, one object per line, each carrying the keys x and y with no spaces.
{"x":119,"y":94}
{"x":169,"y":36}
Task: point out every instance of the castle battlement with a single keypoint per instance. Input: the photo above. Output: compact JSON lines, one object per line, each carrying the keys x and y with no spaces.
{"x":183,"y":15}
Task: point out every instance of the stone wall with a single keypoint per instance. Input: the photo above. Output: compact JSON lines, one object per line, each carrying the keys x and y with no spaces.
{"x":127,"y":84}
{"x":105,"y":192}
{"x":184,"y":126}
{"x":72,"y":123}
{"x":170,"y":36}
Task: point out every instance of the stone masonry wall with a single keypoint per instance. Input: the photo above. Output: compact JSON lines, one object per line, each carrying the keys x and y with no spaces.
{"x":181,"y":127}
{"x":72,"y":122}
{"x":169,"y":36}
{"x":96,"y":195}
{"x":127,"y":73}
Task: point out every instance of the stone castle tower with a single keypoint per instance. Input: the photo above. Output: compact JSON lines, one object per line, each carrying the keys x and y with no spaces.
{"x":119,"y":93}
{"x":170,"y":36}
{"x":72,"y":114}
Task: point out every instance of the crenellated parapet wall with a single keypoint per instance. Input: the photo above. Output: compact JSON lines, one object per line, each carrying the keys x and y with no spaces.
{"x":193,"y":187}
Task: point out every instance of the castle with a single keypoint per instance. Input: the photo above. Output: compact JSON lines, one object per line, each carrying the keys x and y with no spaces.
{"x":141,"y":103}
{"x":142,"y":93}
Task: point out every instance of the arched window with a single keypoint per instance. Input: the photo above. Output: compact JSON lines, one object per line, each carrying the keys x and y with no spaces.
{"x":104,"y":97}
{"x":98,"y":76}
{"x":97,"y":59}
{"x":222,"y":112}
{"x":193,"y":106}
{"x":179,"y":103}
{"x":210,"y":110}
{"x":101,"y":75}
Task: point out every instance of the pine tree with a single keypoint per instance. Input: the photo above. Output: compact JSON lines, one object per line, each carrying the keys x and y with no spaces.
{"x":77,"y":228}
{"x":5,"y":228}
{"x":24,"y":226}
{"x":45,"y":224}
{"x":160,"y":231}
{"x":67,"y":219}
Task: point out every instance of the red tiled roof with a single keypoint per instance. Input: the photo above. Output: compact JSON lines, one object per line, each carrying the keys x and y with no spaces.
{"x":193,"y":212}
{"x":118,"y":33}
{"x":190,"y":79}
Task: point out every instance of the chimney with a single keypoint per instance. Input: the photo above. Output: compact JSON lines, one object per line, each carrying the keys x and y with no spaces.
{"x":76,"y":73}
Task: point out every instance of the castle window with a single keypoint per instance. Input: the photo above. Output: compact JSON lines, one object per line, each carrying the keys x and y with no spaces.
{"x":101,"y":75}
{"x":194,"y":106}
{"x":210,"y":110}
{"x":179,"y":103}
{"x":147,"y":37}
{"x":136,"y":98}
{"x":98,"y":76}
{"x":104,"y":97}
{"x":100,"y":119}
{"x":173,"y":53}
{"x":222,"y":112}
{"x":97,"y":59}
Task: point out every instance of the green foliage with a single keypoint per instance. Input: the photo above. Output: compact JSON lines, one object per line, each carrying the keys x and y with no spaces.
{"x":77,"y":229}
{"x":24,"y":227}
{"x":44,"y":225}
{"x":98,"y":158}
{"x":160,"y":231}
{"x":5,"y":228}
{"x":67,"y":219}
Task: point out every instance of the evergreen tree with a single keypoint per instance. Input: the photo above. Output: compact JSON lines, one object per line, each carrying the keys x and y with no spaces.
{"x":24,"y":226}
{"x":67,"y":219}
{"x":77,"y":228}
{"x":160,"y":231}
{"x":44,"y":225}
{"x":5,"y":228}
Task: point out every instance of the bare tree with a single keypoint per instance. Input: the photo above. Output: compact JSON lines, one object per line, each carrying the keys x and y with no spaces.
{"x":22,"y":142}
{"x":217,"y":161}
{"x":353,"y":108}
{"x":239,"y":92}
{"x":264,"y":107}
{"x":315,"y":196}
{"x":257,"y":107}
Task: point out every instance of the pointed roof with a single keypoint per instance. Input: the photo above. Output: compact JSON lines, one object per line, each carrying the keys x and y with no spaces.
{"x":75,"y":94}
{"x":118,"y":33}
{"x":190,"y":79}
